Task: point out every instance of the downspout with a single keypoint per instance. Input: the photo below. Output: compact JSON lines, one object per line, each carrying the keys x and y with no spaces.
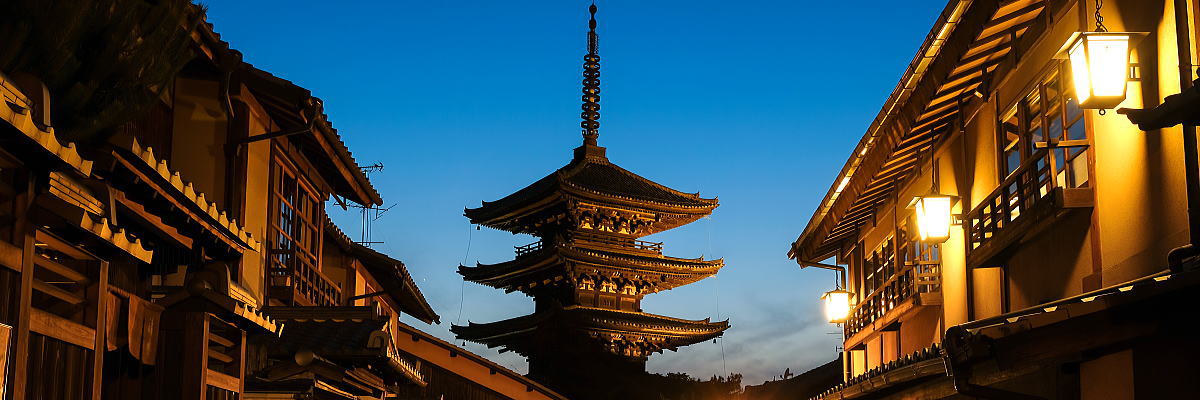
{"x":1190,"y":160}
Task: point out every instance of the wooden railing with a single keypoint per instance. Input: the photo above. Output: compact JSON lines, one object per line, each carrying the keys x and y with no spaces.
{"x":304,"y":281}
{"x":608,"y":241}
{"x":617,"y":242}
{"x":890,"y":294}
{"x":912,"y":279}
{"x":529,"y":248}
{"x":1017,"y":194}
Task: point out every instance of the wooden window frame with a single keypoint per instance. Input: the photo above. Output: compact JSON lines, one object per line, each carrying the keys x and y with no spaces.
{"x":1058,"y":73}
{"x":297,"y":251}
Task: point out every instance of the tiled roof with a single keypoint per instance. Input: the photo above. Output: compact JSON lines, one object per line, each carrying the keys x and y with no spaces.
{"x":609,"y":179}
{"x":293,"y":101}
{"x":17,"y":110}
{"x":218,"y":217}
{"x":387,"y":271}
{"x":594,"y":178}
{"x":929,"y":358}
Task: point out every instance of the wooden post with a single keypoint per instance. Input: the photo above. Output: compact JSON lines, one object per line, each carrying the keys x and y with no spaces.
{"x":242,"y":366}
{"x":21,"y":352}
{"x":193,"y":370}
{"x":23,"y":230}
{"x":101,"y":325}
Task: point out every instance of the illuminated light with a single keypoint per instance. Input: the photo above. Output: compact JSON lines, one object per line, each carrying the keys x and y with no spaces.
{"x":837,"y":305}
{"x":934,"y":217}
{"x":1100,"y":66}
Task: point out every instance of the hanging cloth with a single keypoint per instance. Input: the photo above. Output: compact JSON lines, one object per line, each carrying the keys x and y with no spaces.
{"x":140,"y":323}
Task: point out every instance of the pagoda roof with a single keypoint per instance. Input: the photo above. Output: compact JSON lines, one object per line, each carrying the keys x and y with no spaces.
{"x":669,"y":333}
{"x":545,"y":264}
{"x":589,"y":176}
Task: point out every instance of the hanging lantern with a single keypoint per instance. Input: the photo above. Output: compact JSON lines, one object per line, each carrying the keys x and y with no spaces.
{"x":837,"y":305}
{"x":1100,"y":66}
{"x":934,"y":217}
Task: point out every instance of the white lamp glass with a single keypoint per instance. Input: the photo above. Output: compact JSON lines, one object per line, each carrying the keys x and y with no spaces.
{"x":934,"y":217}
{"x":837,"y":305}
{"x":1100,"y":66}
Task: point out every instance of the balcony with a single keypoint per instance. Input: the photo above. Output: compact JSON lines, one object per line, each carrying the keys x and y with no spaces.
{"x":1022,"y":206}
{"x":917,"y":283}
{"x":600,"y":242}
{"x":298,"y":283}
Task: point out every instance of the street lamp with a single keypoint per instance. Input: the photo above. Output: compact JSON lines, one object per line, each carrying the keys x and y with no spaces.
{"x":837,"y":305}
{"x":1099,"y":64}
{"x":934,"y":216}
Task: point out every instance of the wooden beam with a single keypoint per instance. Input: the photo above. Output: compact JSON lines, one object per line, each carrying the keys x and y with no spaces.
{"x":62,"y":329}
{"x":154,"y":221}
{"x":57,"y":293}
{"x":10,"y":256}
{"x":62,"y":270}
{"x":222,"y":381}
{"x":216,"y":355}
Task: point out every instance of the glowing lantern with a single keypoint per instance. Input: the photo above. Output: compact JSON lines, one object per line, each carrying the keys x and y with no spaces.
{"x":934,"y":217}
{"x":837,"y":305}
{"x":1100,"y":66}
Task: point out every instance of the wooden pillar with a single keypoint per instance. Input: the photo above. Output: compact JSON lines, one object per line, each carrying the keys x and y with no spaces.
{"x":194,"y":368}
{"x":101,"y":324}
{"x":242,"y":366}
{"x":23,"y":236}
{"x":21,"y":352}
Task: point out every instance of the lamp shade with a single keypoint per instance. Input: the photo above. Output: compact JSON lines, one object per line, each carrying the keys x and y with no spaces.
{"x":837,"y":305}
{"x":1100,"y":66}
{"x":934,"y":217}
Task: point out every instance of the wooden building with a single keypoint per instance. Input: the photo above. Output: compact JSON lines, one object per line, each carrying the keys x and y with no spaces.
{"x":1067,"y":271}
{"x":184,"y":252}
{"x":589,"y":269}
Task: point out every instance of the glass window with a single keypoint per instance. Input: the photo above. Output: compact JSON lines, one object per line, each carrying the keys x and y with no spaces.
{"x":295,"y":224}
{"x":1049,"y":111}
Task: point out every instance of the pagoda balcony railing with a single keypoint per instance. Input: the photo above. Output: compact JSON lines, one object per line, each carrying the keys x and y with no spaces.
{"x":299,"y":282}
{"x":616,"y":242}
{"x":920,"y":281}
{"x":598,"y":241}
{"x":529,"y":248}
{"x":1030,"y":193}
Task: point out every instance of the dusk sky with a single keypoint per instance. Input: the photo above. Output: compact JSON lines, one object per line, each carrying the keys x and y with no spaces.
{"x":758,"y":103}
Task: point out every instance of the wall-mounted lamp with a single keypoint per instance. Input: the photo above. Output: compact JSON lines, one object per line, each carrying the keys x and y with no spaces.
{"x":1100,"y":64}
{"x":935,"y":216}
{"x":836,"y":301}
{"x":837,"y":305}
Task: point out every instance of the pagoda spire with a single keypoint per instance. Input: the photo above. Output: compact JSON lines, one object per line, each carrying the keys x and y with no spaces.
{"x":591,"y":84}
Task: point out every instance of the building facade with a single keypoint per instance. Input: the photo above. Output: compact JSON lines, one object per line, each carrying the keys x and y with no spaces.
{"x":181,"y":249}
{"x":1066,"y":270}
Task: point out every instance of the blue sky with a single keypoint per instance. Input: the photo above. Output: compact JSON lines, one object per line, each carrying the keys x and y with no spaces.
{"x":758,"y":103}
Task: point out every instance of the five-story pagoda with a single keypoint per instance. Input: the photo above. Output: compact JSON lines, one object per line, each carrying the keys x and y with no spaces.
{"x":589,"y":270}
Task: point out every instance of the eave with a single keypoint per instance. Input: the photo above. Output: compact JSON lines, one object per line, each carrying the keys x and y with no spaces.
{"x":18,"y":111}
{"x":389,"y":273}
{"x":287,"y":103}
{"x":565,"y":185}
{"x":156,"y":174}
{"x":551,"y":265}
{"x":969,"y":45}
{"x":514,"y":333}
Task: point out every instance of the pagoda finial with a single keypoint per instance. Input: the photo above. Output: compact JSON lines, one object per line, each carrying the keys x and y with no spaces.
{"x":591,"y":84}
